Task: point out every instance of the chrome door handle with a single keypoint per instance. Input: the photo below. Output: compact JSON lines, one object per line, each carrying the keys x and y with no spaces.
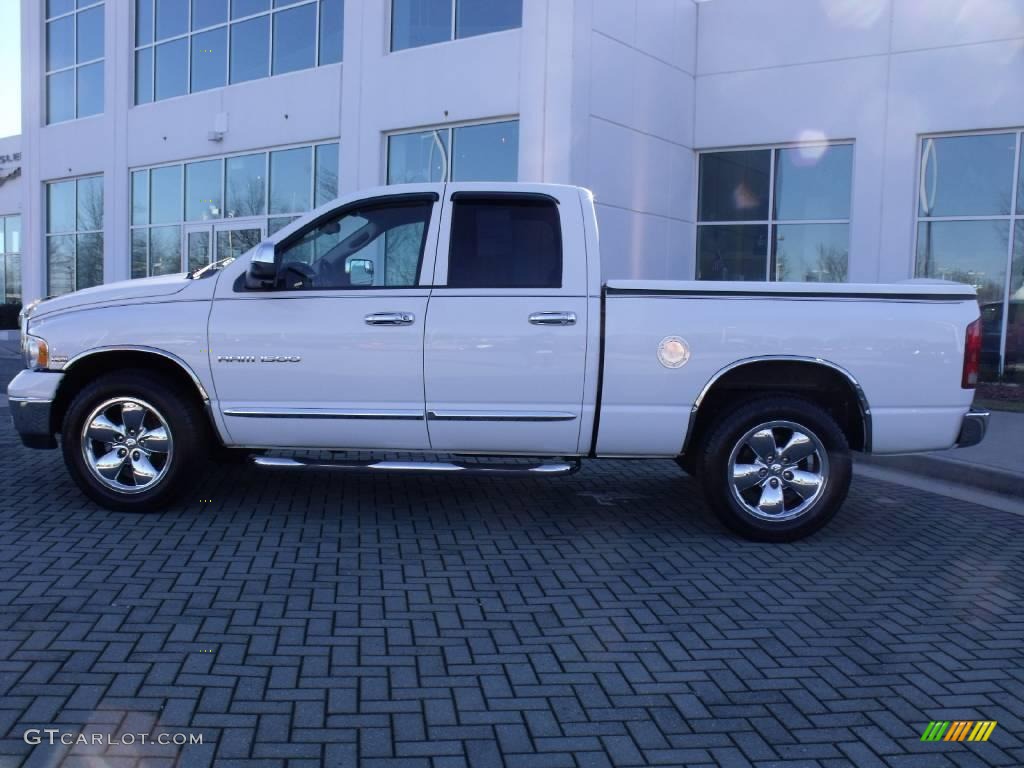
{"x":553,"y":318}
{"x":390,"y":318}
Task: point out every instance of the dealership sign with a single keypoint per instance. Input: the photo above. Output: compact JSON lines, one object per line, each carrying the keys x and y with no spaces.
{"x":9,"y":175}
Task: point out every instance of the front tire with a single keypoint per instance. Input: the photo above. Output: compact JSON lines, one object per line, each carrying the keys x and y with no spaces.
{"x":777,"y":469}
{"x":130,"y":441}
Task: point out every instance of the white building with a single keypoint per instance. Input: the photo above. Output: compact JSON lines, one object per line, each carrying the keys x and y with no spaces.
{"x":860,"y":140}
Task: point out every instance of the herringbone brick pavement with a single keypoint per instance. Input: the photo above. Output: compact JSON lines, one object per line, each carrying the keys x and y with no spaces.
{"x":602,"y":620}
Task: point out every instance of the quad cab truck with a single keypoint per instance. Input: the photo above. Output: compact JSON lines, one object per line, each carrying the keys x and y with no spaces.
{"x":470,"y":320}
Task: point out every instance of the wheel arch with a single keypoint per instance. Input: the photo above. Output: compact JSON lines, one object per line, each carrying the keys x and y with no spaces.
{"x":826,"y":383}
{"x":85,"y":367}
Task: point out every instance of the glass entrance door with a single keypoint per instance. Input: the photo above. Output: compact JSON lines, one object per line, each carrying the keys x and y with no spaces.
{"x":207,"y":243}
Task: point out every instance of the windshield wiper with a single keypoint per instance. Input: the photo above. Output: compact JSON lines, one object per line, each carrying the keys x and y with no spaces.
{"x":195,"y":274}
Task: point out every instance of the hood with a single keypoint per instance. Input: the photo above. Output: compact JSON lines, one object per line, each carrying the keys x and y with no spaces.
{"x":112,"y":293}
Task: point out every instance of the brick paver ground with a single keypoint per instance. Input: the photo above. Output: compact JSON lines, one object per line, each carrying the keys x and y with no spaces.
{"x":605,"y":619}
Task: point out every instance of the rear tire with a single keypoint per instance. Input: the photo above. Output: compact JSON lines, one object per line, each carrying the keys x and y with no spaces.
{"x":132,"y":443}
{"x":776,"y":469}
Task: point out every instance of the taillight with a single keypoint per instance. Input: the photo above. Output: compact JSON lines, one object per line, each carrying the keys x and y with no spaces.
{"x":972,"y":355}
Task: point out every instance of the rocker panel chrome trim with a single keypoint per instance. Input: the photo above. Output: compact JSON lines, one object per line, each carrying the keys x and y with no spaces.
{"x":547,"y":469}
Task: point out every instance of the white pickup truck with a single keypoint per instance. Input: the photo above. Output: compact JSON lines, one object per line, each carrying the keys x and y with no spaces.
{"x":470,"y":320}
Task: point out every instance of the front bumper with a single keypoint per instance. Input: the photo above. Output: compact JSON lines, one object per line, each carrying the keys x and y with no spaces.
{"x":973,"y":428}
{"x":31,"y":395}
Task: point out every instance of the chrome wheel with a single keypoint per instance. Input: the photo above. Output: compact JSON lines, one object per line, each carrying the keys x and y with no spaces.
{"x":778,"y":470}
{"x":127,"y":445}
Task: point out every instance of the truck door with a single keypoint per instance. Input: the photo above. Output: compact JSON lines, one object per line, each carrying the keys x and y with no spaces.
{"x":331,"y":356}
{"x":506,"y":336}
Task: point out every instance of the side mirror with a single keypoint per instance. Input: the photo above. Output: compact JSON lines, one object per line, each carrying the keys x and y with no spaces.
{"x":262,"y":267}
{"x":359,"y":271}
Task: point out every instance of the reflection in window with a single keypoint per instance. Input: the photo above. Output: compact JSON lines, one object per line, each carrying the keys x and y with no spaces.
{"x":484,"y":152}
{"x":74,"y":234}
{"x":970,"y":230}
{"x":423,"y":22}
{"x":232,"y":195}
{"x":74,"y":60}
{"x":775,"y":214}
{"x":257,"y":39}
{"x":967,"y":175}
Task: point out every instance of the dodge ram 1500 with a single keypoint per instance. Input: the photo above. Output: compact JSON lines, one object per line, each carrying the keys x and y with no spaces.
{"x":470,"y":320}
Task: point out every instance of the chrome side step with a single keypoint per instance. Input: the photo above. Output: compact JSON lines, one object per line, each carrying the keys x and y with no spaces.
{"x":547,"y":469}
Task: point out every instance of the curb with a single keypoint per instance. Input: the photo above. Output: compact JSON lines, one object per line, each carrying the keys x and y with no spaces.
{"x":961,"y":472}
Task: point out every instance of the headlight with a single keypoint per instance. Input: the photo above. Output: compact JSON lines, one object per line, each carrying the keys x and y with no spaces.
{"x":36,"y":352}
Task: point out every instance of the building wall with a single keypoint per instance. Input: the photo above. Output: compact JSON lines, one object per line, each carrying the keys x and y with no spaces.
{"x":632,"y":137}
{"x":521,"y":73}
{"x":11,"y":190}
{"x":880,"y":72}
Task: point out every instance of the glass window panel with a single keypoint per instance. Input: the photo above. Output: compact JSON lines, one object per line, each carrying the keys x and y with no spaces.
{"x":171,"y":18}
{"x":60,"y":207}
{"x":1020,"y":181}
{"x":240,"y":8}
{"x":90,"y":89}
{"x":291,"y":176}
{"x":486,"y":152}
{"x":250,"y":49}
{"x":60,"y":96}
{"x":140,"y":197}
{"x":276,"y":225}
{"x":90,"y":204}
{"x":60,"y":265}
{"x":140,"y":253}
{"x":283,"y":3}
{"x":13,"y":240}
{"x":971,"y":252}
{"x":144,"y":76}
{"x":172,"y":68}
{"x":165,"y":250}
{"x":813,"y":182}
{"x":326,"y":173}
{"x":3,"y":237}
{"x":332,"y":31}
{"x":732,"y":252}
{"x":497,"y":243}
{"x":89,"y":261}
{"x":1013,"y":366}
{"x":209,"y":59}
{"x":478,"y":17}
{"x":202,"y":190}
{"x":812,"y":253}
{"x":246,"y":185}
{"x":57,"y":7}
{"x":967,"y":175}
{"x":420,"y":22}
{"x":397,"y":231}
{"x":90,"y":34}
{"x":143,"y":22}
{"x":733,"y":186}
{"x":165,"y":195}
{"x":232,"y":243}
{"x":416,"y":157}
{"x":295,"y":39}
{"x":206,"y":13}
{"x":60,"y":43}
{"x":198,"y":250}
{"x":13,"y":278}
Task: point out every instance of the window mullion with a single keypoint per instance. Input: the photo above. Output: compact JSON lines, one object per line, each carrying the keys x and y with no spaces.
{"x":1009,"y":256}
{"x":455,"y":10}
{"x":771,"y":215}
